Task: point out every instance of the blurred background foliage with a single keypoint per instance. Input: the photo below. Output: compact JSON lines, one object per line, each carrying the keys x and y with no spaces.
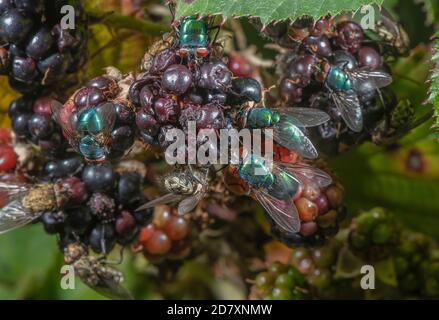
{"x":403,"y":177}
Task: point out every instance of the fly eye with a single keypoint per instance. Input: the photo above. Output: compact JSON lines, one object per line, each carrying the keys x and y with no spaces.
{"x":183,"y":52}
{"x":202,"y":52}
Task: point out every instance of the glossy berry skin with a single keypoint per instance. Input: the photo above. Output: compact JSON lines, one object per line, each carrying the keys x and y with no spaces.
{"x":102,"y":238}
{"x":88,"y":97}
{"x":215,"y":76}
{"x":244,"y":90}
{"x":240,"y":67}
{"x":14,"y":26}
{"x":129,"y":189}
{"x":40,"y":126}
{"x":350,"y":36}
{"x":98,"y":178}
{"x":370,"y":58}
{"x":40,"y":44}
{"x":289,"y":92}
{"x":177,"y":79}
{"x":20,"y":124}
{"x":8,"y":158}
{"x":122,"y":138}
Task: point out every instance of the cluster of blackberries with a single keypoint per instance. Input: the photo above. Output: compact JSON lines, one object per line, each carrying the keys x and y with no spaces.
{"x":36,"y":51}
{"x":31,"y":119}
{"x":321,"y":69}
{"x":167,"y":236}
{"x":175,"y":90}
{"x":100,"y":105}
{"x":103,"y":213}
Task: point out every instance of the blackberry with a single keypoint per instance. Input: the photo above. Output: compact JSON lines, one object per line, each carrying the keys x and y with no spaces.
{"x":37,"y":53}
{"x":313,"y":51}
{"x":100,"y":117}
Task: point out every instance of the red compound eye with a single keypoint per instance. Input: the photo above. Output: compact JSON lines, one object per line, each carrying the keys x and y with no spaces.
{"x":202,"y":52}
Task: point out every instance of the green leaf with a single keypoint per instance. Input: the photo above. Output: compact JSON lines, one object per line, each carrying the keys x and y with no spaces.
{"x":434,"y":87}
{"x":27,"y":254}
{"x":269,"y":11}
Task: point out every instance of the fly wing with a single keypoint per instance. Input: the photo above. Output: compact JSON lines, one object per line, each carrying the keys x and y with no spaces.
{"x":306,"y":117}
{"x":291,"y":137}
{"x":307,"y":174}
{"x":283,"y":212}
{"x":188,"y":204}
{"x":12,"y":191}
{"x":350,"y":109}
{"x":107,"y":113}
{"x":104,"y":281}
{"x":166,"y":199}
{"x":377,"y":79}
{"x":13,"y":216}
{"x":61,"y":118}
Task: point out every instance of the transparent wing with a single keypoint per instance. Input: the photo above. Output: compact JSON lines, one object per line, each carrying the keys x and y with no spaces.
{"x":107,"y":113}
{"x":61,"y":117}
{"x":13,"y":216}
{"x":166,"y":199}
{"x":106,"y":284}
{"x":283,"y":212}
{"x":350,"y":109}
{"x":291,"y":137}
{"x":375,"y":79}
{"x":306,"y":173}
{"x":188,"y":204}
{"x":12,"y":191}
{"x":306,"y":117}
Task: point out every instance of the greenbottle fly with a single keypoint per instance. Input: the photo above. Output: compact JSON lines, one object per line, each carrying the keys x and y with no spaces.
{"x":274,"y":185}
{"x":346,"y":84}
{"x":186,"y":186}
{"x":193,"y":37}
{"x":88,"y":130}
{"x":288,"y":126}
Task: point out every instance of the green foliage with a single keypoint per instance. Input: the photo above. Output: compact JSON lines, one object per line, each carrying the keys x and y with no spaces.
{"x":434,"y":88}
{"x":269,"y":11}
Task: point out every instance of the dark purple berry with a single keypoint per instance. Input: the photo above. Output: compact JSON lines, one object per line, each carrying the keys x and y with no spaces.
{"x":345,"y":60}
{"x":40,"y":126}
{"x":162,"y":61}
{"x":20,"y":105}
{"x":54,"y":67}
{"x":350,"y":36}
{"x":129,"y":189}
{"x":370,"y":58}
{"x":125,"y":114}
{"x":30,"y":7}
{"x":146,"y":122}
{"x":125,"y":223}
{"x":146,"y":98}
{"x":52,"y":145}
{"x":102,"y":238}
{"x":301,"y":70}
{"x":53,"y":222}
{"x":5,"y":5}
{"x":122,"y":138}
{"x":320,"y":46}
{"x":20,"y":124}
{"x":24,"y":69}
{"x":39,"y":44}
{"x":245,"y":90}
{"x":98,"y":178}
{"x":166,"y":110}
{"x":215,"y":76}
{"x":14,"y":26}
{"x":72,"y":189}
{"x":102,"y":83}
{"x":289,"y":92}
{"x":70,"y":166}
{"x":88,"y":97}
{"x":177,"y":79}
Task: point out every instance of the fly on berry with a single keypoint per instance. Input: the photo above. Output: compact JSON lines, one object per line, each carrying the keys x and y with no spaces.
{"x":275,"y":185}
{"x":87,"y":130}
{"x":187,"y":187}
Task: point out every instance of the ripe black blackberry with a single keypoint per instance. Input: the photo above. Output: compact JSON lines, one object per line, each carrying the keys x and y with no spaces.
{"x":105,"y":215}
{"x":175,"y":89}
{"x":31,"y":119}
{"x":36,"y":53}
{"x":313,"y":49}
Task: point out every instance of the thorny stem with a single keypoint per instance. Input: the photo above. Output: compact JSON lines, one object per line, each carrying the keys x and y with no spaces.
{"x":119,"y":21}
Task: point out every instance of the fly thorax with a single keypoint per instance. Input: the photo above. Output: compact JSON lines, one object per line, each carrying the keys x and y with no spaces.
{"x":338,"y":79}
{"x":40,"y":199}
{"x":179,"y":185}
{"x":74,"y":252}
{"x":193,"y":33}
{"x":91,"y":147}
{"x":256,"y":173}
{"x":259,"y":118}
